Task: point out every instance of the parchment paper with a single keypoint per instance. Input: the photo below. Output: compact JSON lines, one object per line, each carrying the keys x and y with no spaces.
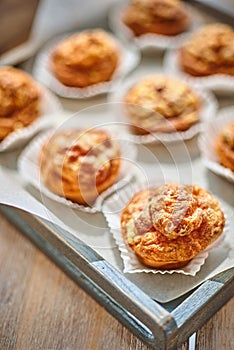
{"x":96,"y":234}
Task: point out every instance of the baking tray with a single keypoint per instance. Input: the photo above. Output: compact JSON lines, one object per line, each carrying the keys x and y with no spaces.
{"x":160,"y":326}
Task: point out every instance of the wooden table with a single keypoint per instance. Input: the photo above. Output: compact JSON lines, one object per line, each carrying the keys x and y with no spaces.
{"x":42,"y":309}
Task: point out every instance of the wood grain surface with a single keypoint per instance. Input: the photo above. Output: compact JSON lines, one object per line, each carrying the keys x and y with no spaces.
{"x":42,"y":309}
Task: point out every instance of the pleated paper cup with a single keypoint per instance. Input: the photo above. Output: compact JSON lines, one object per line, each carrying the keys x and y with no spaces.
{"x":207,"y":112}
{"x":129,"y":59}
{"x":151,"y":40}
{"x":112,"y":209}
{"x":28,"y":165}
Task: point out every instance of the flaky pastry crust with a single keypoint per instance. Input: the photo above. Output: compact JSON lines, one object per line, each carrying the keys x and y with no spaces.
{"x":85,"y":59}
{"x":161,"y":104}
{"x":19,"y":100}
{"x":167,"y":17}
{"x":225,"y":146}
{"x":209,"y":51}
{"x":80,"y":164}
{"x":168,"y":226}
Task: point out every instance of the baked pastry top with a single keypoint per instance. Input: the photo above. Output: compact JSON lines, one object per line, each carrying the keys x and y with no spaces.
{"x":85,"y":58}
{"x":19,"y":100}
{"x":225,"y":146}
{"x":161,"y":104}
{"x":209,"y":51}
{"x":169,"y":225}
{"x":80,"y":164}
{"x":167,"y":17}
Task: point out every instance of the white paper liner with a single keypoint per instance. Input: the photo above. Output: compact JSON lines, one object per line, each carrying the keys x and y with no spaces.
{"x":219,"y":83}
{"x":50,"y":105}
{"x":208,"y":139}
{"x":208,"y":110}
{"x":151,"y":40}
{"x":112,"y":210}
{"x":28,"y":166}
{"x":129,"y":59}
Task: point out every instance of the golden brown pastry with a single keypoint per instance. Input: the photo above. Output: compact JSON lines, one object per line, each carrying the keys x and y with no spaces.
{"x":209,"y":51}
{"x":19,"y":100}
{"x":85,"y":58}
{"x":161,"y":104}
{"x":80,"y":164}
{"x":225,"y":146}
{"x":167,"y":17}
{"x":168,"y":226}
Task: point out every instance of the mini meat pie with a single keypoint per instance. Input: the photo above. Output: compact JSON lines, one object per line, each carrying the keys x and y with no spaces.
{"x":20,"y":100}
{"x":225,"y":146}
{"x":85,"y":59}
{"x":209,"y":51}
{"x":80,"y":164}
{"x":167,"y":17}
{"x":168,"y":226}
{"x":161,"y":104}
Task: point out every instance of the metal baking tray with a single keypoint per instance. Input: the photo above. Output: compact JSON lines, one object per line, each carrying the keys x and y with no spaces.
{"x":160,"y":326}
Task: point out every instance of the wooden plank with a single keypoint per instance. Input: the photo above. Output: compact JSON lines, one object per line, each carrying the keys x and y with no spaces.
{"x":218,"y":332}
{"x":201,"y":305}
